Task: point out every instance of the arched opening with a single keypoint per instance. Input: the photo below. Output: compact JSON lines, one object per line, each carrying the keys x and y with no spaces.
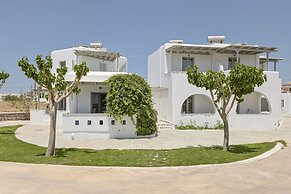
{"x":197,"y":104}
{"x":254,"y":103}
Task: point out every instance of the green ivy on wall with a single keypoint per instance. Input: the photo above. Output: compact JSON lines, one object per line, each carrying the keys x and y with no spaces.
{"x":130,"y":95}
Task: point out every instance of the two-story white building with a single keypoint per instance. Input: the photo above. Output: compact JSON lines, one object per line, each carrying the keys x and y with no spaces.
{"x":181,"y":103}
{"x":84,"y":114}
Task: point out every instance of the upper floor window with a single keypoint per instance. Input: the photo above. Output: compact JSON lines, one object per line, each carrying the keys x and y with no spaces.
{"x":62,"y":104}
{"x":62,"y":63}
{"x":231,"y":62}
{"x":187,"y":62}
{"x":102,"y":67}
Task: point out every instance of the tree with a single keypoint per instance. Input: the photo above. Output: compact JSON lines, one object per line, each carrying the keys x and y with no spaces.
{"x":56,"y":86}
{"x":130,"y":95}
{"x":225,"y":89}
{"x":3,"y":77}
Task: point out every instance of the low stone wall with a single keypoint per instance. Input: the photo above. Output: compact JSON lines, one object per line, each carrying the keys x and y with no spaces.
{"x":12,"y":116}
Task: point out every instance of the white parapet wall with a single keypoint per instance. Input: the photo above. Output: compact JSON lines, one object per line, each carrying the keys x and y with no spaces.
{"x":41,"y":117}
{"x":90,"y":126}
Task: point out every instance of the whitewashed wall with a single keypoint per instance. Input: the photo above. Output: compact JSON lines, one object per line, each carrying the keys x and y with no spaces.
{"x":63,"y":55}
{"x":78,"y":126}
{"x":286,"y":104}
{"x":40,"y":117}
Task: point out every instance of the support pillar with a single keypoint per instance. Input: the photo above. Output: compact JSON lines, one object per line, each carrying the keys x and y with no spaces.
{"x":267,"y":63}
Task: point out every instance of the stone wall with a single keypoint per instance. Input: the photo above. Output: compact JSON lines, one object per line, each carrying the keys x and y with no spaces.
{"x":12,"y":116}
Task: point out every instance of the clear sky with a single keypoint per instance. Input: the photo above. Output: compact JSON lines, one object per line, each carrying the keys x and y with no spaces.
{"x":136,"y":28}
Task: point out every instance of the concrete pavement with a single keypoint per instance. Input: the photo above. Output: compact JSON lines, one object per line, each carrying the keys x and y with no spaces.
{"x":167,"y":139}
{"x":268,"y":176}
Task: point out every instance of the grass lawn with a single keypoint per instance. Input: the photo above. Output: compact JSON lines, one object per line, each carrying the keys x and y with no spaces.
{"x":14,"y":150}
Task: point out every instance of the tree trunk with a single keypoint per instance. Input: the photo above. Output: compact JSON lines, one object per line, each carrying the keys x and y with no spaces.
{"x":226,"y":134}
{"x":52,"y":136}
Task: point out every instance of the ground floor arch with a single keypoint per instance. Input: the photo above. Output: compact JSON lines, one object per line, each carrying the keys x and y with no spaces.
{"x":254,"y":103}
{"x":197,"y":104}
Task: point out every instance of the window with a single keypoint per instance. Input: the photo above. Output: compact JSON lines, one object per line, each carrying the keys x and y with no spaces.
{"x":98,"y":102}
{"x":282,"y":103}
{"x":62,"y":105}
{"x":77,"y":122}
{"x":187,"y":105}
{"x":62,"y":63}
{"x":112,"y":122}
{"x":187,"y":62}
{"x":101,"y":122}
{"x":102,"y":67}
{"x":231,"y":62}
{"x":124,"y":122}
{"x":89,"y":122}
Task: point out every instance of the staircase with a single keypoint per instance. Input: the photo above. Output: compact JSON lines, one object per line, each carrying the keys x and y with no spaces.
{"x":164,"y":125}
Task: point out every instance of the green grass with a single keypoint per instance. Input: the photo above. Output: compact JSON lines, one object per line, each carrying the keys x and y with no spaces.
{"x":14,"y":150}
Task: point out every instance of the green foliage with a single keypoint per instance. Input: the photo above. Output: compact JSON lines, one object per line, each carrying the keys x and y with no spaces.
{"x":226,"y":89}
{"x":3,"y":77}
{"x":48,"y":80}
{"x":55,"y":84}
{"x":11,"y":98}
{"x":130,"y":95}
{"x":193,"y":126}
{"x":241,"y":81}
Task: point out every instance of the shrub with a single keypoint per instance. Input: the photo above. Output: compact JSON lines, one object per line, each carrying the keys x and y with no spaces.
{"x":130,"y":95}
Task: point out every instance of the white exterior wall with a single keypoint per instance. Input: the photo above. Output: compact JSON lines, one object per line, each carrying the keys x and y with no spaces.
{"x":82,"y":101}
{"x":181,"y":90}
{"x":95,"y":129}
{"x":94,"y":63}
{"x":63,"y":55}
{"x":286,"y":108}
{"x":40,"y":117}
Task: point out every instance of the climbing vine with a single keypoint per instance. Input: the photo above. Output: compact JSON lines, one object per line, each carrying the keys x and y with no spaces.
{"x":130,"y":95}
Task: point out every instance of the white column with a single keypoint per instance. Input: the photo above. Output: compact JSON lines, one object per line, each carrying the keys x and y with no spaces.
{"x":237,"y":56}
{"x":267,"y":61}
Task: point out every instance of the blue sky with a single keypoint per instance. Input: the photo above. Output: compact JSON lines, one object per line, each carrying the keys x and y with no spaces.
{"x":136,"y":28}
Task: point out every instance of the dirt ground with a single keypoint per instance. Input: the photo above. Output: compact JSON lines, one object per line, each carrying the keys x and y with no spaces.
{"x":19,"y":106}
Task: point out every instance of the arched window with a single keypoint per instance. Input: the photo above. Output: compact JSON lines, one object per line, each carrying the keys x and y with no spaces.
{"x":197,"y":104}
{"x":254,"y":103}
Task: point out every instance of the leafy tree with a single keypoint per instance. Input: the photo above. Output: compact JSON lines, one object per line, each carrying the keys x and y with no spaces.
{"x":55,"y":84}
{"x":226,"y":89}
{"x":3,"y":77}
{"x":130,"y":95}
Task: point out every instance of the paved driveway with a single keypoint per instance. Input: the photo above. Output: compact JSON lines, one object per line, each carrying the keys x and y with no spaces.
{"x":166,"y":139}
{"x":271,"y":175}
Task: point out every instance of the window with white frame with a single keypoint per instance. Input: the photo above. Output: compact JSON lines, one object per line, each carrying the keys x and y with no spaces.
{"x":187,"y":62}
{"x":62,"y":63}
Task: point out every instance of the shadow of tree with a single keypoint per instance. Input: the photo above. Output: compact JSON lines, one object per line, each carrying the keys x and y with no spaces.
{"x":62,"y":152}
{"x":241,"y":149}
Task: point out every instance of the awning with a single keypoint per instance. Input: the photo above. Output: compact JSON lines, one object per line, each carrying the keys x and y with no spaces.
{"x":219,"y":48}
{"x":97,"y":53}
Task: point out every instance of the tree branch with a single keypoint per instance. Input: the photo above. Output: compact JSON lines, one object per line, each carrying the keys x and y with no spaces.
{"x":214,"y":102}
{"x":232,"y":103}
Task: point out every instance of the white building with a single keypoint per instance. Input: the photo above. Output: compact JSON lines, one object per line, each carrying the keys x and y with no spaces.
{"x":181,"y":103}
{"x":84,"y":114}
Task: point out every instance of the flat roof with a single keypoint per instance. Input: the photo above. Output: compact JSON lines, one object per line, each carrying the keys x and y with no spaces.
{"x":219,"y":48}
{"x":97,"y":53}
